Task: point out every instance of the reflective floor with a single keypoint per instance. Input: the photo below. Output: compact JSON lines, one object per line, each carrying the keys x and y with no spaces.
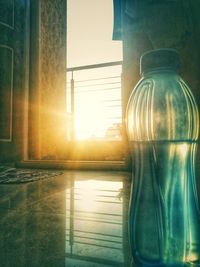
{"x":73,"y":220}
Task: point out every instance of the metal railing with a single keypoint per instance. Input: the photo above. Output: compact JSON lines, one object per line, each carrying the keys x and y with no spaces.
{"x":100,"y":86}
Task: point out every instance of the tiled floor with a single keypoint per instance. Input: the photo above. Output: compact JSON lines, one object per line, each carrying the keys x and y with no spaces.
{"x":78,"y":219}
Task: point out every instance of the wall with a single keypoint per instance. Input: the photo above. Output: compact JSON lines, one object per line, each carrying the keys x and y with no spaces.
{"x":13,"y":78}
{"x":48,"y":79}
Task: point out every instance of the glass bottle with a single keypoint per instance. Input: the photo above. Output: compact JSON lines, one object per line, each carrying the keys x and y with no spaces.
{"x":162,"y":125}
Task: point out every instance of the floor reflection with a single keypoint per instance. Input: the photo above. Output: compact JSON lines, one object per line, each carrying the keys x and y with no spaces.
{"x":79,"y":220}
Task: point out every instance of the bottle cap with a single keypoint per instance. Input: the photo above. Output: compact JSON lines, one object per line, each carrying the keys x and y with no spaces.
{"x":159,"y":59}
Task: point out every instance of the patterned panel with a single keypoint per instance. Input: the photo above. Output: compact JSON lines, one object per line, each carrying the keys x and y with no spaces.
{"x":7,"y":13}
{"x":6,"y":91}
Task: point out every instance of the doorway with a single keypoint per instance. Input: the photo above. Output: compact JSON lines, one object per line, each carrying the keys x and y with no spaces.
{"x":94,"y":66}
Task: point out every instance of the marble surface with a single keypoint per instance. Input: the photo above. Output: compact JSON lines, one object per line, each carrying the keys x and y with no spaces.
{"x":77,"y":219}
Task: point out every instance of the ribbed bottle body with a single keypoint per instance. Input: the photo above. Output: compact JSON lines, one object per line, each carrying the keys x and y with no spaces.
{"x":162,"y":126}
{"x":162,"y":107}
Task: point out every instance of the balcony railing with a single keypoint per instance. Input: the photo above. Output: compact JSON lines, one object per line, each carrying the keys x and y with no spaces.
{"x":94,"y":102}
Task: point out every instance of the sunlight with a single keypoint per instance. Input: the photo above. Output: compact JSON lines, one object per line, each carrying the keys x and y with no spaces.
{"x":183,"y":148}
{"x":97,"y":92}
{"x":97,"y":103}
{"x":89,"y":119}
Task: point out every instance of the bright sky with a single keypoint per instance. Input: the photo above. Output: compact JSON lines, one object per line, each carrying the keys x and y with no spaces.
{"x":89,"y":33}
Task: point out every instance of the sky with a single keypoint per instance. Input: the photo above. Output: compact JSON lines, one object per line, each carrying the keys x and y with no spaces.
{"x":89,"y":33}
